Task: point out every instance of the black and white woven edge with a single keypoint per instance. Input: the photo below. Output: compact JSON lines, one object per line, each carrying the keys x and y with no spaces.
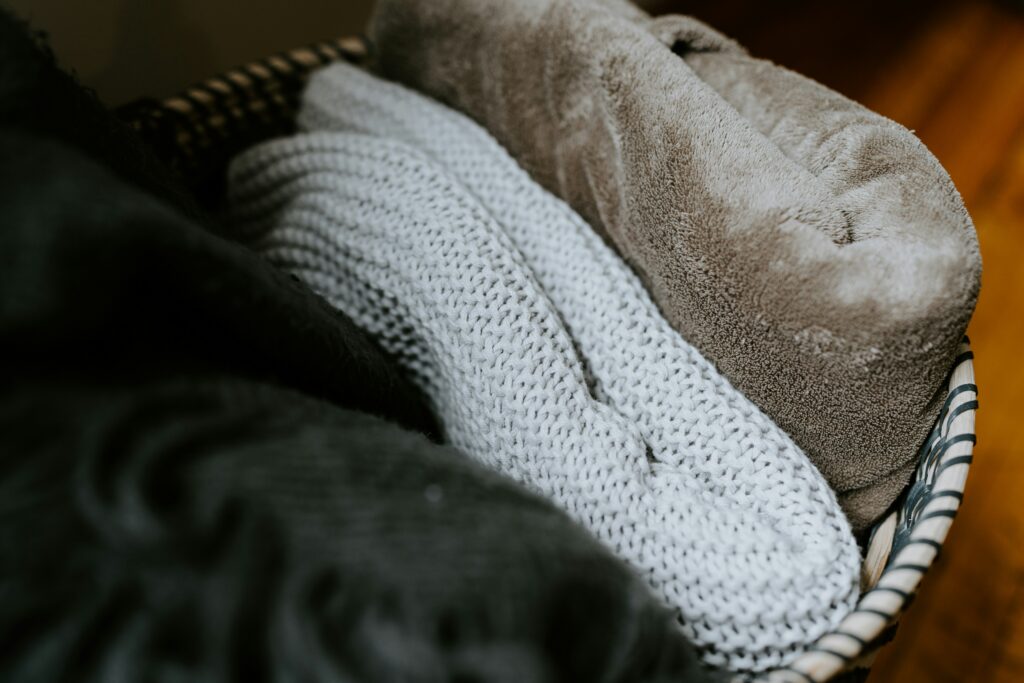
{"x":197,"y":132}
{"x":906,"y":543}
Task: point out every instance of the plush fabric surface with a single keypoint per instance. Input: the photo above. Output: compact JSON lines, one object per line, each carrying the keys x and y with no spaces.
{"x":545,"y":359}
{"x":95,"y":275}
{"x":210,"y":528}
{"x":812,"y":250}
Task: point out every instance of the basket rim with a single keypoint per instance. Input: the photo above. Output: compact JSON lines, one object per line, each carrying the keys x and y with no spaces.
{"x":914,"y":534}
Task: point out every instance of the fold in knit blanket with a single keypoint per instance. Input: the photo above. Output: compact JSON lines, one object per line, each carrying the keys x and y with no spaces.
{"x":814,"y":251}
{"x":172,"y":509}
{"x":546,"y":359}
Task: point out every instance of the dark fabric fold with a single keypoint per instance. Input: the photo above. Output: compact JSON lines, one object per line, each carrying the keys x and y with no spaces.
{"x":187,"y":491}
{"x":211,"y":528}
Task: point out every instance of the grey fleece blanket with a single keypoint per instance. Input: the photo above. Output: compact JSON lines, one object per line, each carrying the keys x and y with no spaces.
{"x":816,"y":252}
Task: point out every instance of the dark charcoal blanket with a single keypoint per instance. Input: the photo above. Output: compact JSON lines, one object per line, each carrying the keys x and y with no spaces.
{"x":182,"y":495}
{"x":36,"y":95}
{"x":98,"y":277}
{"x":210,"y":528}
{"x":94,"y":273}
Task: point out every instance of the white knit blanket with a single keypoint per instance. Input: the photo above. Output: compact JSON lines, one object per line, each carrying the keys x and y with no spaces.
{"x":546,"y":359}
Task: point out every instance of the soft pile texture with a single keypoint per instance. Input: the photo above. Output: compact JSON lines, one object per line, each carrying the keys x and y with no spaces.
{"x":211,"y":528}
{"x":171,"y":506}
{"x":546,"y":360}
{"x":814,"y":251}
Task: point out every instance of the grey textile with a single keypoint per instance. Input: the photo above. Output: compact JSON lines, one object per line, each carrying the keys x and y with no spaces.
{"x":816,"y":252}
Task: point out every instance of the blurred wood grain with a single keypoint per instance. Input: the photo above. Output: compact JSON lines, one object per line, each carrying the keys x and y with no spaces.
{"x":953,"y":71}
{"x":968,"y":621}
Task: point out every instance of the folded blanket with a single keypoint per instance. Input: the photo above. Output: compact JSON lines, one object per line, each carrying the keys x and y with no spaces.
{"x":129,"y":279}
{"x":212,"y":528}
{"x":812,"y":250}
{"x":169,"y":511}
{"x":546,"y":360}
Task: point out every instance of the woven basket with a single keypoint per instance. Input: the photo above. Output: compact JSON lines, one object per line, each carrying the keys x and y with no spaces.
{"x":198,"y":132}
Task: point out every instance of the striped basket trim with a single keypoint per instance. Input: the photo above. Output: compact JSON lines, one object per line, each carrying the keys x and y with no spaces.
{"x":197,"y":132}
{"x":906,"y":543}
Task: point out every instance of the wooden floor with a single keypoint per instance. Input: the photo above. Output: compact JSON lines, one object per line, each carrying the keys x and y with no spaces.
{"x":954,"y":72}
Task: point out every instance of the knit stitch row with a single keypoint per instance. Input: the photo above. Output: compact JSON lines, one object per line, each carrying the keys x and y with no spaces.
{"x":546,"y":359}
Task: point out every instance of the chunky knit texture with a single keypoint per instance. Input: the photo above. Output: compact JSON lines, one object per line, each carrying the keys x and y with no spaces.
{"x":814,"y":251}
{"x":642,"y":441}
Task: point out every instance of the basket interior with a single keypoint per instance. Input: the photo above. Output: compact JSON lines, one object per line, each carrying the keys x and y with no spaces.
{"x":198,"y":132}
